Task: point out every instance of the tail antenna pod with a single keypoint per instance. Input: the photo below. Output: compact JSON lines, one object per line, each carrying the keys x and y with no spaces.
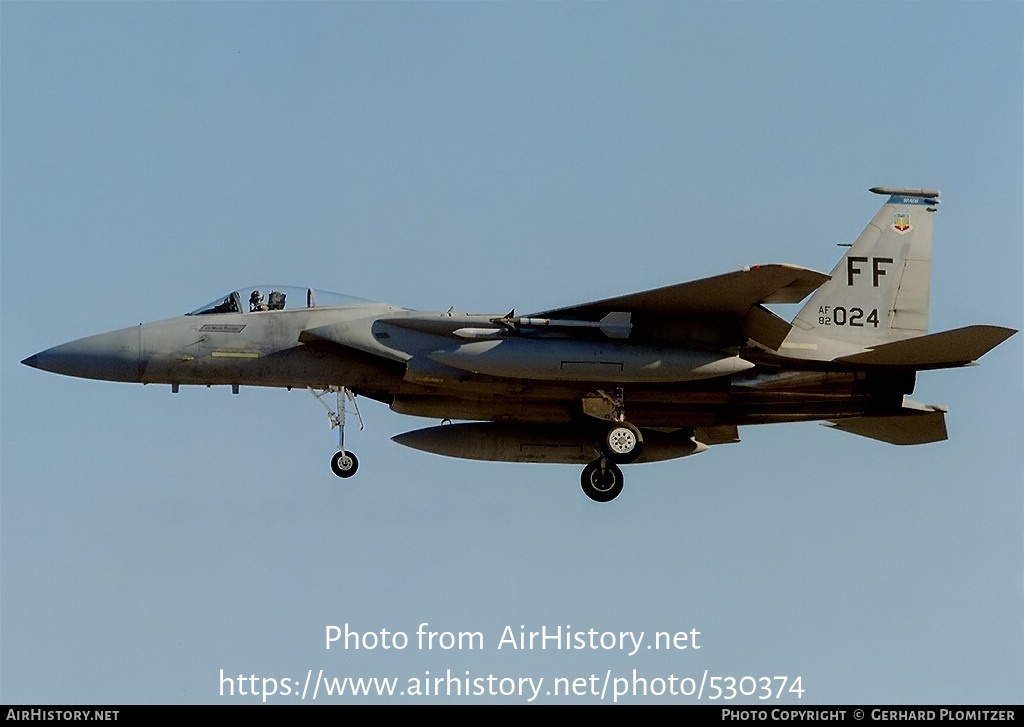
{"x":906,"y":192}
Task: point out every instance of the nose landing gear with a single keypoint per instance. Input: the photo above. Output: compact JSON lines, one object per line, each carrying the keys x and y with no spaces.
{"x":343,"y":463}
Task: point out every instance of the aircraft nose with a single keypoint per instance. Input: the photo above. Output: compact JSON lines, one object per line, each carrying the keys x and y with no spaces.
{"x":110,"y":356}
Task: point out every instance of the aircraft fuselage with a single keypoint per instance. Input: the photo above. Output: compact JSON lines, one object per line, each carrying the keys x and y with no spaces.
{"x":646,"y":376}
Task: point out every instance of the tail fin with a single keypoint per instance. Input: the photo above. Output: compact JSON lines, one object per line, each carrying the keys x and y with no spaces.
{"x":879,"y":291}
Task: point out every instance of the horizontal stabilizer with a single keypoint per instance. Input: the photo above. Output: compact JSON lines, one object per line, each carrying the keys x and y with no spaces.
{"x":958,"y":347}
{"x":916,"y":424}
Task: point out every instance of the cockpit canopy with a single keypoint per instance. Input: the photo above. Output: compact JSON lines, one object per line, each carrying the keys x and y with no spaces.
{"x":260,"y":298}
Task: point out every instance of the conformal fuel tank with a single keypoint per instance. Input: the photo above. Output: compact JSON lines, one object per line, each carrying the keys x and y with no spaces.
{"x":556,"y":359}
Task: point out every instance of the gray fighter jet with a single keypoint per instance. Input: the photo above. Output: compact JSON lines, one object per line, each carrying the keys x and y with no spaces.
{"x":643,"y":377}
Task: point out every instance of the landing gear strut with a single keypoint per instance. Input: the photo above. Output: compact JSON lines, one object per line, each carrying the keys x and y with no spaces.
{"x":622,"y":443}
{"x":343,"y":463}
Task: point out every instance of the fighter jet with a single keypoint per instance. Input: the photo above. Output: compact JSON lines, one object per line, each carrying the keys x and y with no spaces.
{"x":644,"y":377}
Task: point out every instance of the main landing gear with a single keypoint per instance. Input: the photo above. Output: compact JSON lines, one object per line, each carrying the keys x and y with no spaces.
{"x":622,"y":444}
{"x":343,"y":463}
{"x":601,"y":480}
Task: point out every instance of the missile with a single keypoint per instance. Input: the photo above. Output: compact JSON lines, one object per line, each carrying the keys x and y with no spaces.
{"x":474,"y":326}
{"x":613,"y":325}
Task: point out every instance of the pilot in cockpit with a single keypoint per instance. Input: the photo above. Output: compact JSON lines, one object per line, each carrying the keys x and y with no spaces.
{"x":276,"y":300}
{"x":256,"y":302}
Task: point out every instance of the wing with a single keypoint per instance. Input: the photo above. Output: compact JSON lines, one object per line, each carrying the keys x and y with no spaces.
{"x":721,"y":310}
{"x":729,"y":295}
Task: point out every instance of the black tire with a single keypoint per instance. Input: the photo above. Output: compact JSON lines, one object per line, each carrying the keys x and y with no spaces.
{"x":344,"y":464}
{"x":601,"y":480}
{"x":623,"y":443}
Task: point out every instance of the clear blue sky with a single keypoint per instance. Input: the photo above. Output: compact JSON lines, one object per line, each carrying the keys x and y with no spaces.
{"x":491,"y":156}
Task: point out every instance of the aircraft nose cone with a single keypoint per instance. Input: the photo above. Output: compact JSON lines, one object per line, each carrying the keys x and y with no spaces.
{"x":110,"y":356}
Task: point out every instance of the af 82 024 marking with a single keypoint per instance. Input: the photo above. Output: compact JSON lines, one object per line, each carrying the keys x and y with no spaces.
{"x":841,"y":316}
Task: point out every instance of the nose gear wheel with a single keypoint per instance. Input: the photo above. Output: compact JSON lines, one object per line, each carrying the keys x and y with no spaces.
{"x":343,"y":463}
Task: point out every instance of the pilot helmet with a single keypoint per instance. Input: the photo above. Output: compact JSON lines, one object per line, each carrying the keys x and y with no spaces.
{"x":256,"y":297}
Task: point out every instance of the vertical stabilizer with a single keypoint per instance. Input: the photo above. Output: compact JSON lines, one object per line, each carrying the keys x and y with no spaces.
{"x":879,"y":291}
